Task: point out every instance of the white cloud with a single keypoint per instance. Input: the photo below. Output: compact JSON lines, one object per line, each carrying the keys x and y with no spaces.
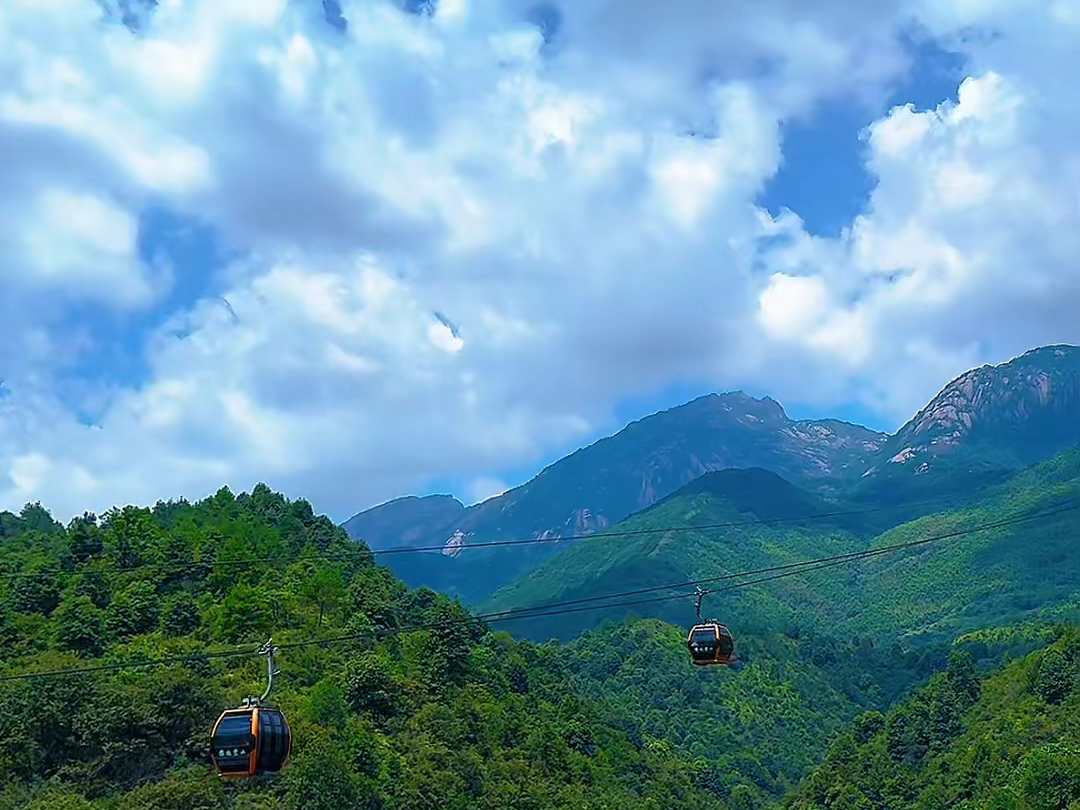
{"x":80,"y":244}
{"x":966,"y":253}
{"x":544,"y":199}
{"x":484,"y":488}
{"x":791,"y":306}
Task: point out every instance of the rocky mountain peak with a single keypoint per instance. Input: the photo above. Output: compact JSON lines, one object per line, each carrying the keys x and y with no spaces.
{"x":1028,"y":402}
{"x":738,"y":404}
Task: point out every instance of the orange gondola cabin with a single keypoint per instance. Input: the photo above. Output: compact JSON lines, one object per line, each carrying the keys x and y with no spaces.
{"x":251,"y":741}
{"x":710,"y":643}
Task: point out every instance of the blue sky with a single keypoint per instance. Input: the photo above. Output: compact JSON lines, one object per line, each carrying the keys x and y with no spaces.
{"x":824,"y":178}
{"x":362,"y":249}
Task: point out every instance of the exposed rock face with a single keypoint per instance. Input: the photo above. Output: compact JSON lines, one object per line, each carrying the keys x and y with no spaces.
{"x":454,"y":545}
{"x":1022,"y":411}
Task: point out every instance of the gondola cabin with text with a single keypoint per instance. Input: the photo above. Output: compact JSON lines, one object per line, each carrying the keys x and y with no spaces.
{"x":254,"y":739}
{"x":710,"y":642}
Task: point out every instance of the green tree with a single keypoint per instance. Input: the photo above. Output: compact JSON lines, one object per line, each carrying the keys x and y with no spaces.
{"x":134,"y":610}
{"x":37,"y":518}
{"x":963,"y":677}
{"x":327,"y":705}
{"x":243,"y":615}
{"x":320,"y":779}
{"x":1003,"y":799}
{"x":322,"y":532}
{"x":36,"y":591}
{"x":325,"y":589}
{"x":370,"y":687}
{"x":94,"y":583}
{"x":867,"y":725}
{"x":1049,"y":777}
{"x":1055,"y":677}
{"x":80,"y":626}
{"x":179,"y":615}
{"x":84,"y":538}
{"x":186,"y":790}
{"x":129,"y":535}
{"x":56,"y":800}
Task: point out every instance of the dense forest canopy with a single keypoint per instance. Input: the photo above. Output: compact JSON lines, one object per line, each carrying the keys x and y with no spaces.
{"x":1009,"y":741}
{"x":453,"y":717}
{"x":403,"y":699}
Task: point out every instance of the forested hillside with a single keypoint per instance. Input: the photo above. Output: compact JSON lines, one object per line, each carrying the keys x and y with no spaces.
{"x":1010,"y":741}
{"x":725,"y":522}
{"x":989,"y":578}
{"x":402,"y":699}
{"x":968,"y":579}
{"x":397,"y":717}
{"x":754,"y":732}
{"x":599,"y":485}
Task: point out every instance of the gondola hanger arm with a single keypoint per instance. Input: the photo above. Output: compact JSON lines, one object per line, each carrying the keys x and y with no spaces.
{"x":700,"y":594}
{"x":270,"y":651}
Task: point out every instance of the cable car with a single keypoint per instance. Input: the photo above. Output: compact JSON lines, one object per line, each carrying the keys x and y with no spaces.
{"x":710,"y":642}
{"x":254,"y":739}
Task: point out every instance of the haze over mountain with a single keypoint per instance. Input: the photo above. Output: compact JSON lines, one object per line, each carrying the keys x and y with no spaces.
{"x":605,"y":482}
{"x":981,"y":428}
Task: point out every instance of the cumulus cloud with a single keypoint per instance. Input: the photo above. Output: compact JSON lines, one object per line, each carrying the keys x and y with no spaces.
{"x":967,"y":250}
{"x":463,"y":236}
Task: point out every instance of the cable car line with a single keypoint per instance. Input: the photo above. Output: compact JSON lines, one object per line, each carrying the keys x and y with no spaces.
{"x":343,"y":556}
{"x":501,"y":616}
{"x":506,"y":615}
{"x":560,"y":608}
{"x":847,"y":557}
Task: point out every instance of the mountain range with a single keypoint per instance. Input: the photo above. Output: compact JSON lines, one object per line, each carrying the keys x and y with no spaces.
{"x":621,"y":474}
{"x":1025,"y":565}
{"x":979,"y":430}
